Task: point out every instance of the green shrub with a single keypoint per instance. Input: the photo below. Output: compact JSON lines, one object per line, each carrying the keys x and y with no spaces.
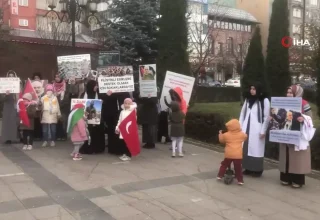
{"x":217,"y":94}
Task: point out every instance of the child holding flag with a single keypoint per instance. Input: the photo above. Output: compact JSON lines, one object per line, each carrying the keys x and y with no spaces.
{"x":128,"y":107}
{"x":77,"y":129}
{"x":27,"y":111}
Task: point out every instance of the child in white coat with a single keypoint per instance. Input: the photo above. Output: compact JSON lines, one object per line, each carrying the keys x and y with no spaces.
{"x":128,"y":106}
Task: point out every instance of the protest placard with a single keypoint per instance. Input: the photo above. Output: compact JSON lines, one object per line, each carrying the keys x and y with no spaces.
{"x":107,"y":58}
{"x":10,"y":84}
{"x":174,"y":80}
{"x":74,"y":66}
{"x":148,"y":80}
{"x":284,"y":124}
{"x":115,"y":79}
{"x":93,"y":108}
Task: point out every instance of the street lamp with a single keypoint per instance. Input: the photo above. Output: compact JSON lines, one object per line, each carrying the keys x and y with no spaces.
{"x":82,"y":11}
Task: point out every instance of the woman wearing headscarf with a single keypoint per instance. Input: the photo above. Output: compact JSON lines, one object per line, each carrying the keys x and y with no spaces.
{"x":97,"y":139}
{"x":254,"y":120}
{"x":10,"y":118}
{"x":295,"y":161}
{"x":37,"y":119}
{"x":111,"y":107}
{"x":59,"y":87}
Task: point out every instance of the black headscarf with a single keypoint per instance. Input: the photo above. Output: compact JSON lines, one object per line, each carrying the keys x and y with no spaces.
{"x":89,"y":88}
{"x":36,"y":74}
{"x":258,"y":97}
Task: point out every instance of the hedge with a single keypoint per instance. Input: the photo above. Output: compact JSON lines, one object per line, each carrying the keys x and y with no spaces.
{"x":205,"y":127}
{"x":232,"y":94}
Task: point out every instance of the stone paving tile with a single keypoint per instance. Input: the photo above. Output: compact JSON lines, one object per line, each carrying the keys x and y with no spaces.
{"x":26,"y":190}
{"x":62,"y":217}
{"x":108,"y":201}
{"x":122,"y":211}
{"x":16,"y":179}
{"x":192,"y":210}
{"x":50,"y":211}
{"x":95,"y":193}
{"x":10,"y":206}
{"x":96,"y":214}
{"x":23,"y":215}
{"x":37,"y":202}
{"x":137,"y":217}
{"x":6,"y":194}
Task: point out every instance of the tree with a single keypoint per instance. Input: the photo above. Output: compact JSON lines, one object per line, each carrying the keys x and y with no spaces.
{"x":173,"y":38}
{"x":51,"y":28}
{"x":253,"y":69}
{"x":133,"y":29}
{"x":277,"y":61}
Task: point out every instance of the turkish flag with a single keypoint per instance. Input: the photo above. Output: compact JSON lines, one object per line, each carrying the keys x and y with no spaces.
{"x":29,"y":89}
{"x":129,"y":131}
{"x":23,"y":115}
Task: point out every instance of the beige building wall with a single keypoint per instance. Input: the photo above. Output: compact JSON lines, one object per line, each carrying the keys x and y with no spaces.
{"x":260,"y":9}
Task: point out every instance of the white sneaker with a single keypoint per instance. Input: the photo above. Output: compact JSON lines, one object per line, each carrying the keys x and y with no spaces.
{"x":45,"y":143}
{"x":25,"y":147}
{"x":29,"y":147}
{"x":52,"y":144}
{"x":181,"y":154}
{"x":173,"y":155}
{"x":126,"y":158}
{"x":77,"y":157}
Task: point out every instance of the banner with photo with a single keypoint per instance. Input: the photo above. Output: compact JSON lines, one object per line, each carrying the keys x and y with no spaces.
{"x":11,"y":84}
{"x":115,"y":79}
{"x":107,"y":58}
{"x":93,"y":108}
{"x":172,"y":81}
{"x":74,"y":66}
{"x":284,"y":126}
{"x":148,"y":80}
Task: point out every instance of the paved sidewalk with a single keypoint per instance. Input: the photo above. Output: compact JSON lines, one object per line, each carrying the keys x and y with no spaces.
{"x":45,"y":184}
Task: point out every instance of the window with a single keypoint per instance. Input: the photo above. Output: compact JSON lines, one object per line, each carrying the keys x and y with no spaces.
{"x":220,"y":48}
{"x":239,"y":49}
{"x":230,"y":45}
{"x":296,"y":28}
{"x":226,"y":25}
{"x":234,"y":26}
{"x":238,"y":27}
{"x":205,"y":28}
{"x":23,"y":2}
{"x":222,"y":24}
{"x":249,"y":28}
{"x":23,"y":22}
{"x":314,"y":2}
{"x":205,"y":9}
{"x":297,"y":12}
{"x":212,"y":46}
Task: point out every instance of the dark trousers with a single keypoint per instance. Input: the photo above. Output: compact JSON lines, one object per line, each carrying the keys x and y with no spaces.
{"x":111,"y":122}
{"x":27,"y":137}
{"x":237,"y":163}
{"x":291,"y":178}
{"x":123,"y":146}
{"x":163,"y":126}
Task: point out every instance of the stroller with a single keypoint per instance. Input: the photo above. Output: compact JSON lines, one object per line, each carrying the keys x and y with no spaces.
{"x":228,"y":176}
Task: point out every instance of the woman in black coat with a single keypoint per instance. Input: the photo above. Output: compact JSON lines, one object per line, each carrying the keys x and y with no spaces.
{"x":97,"y":143}
{"x":148,"y":118}
{"x":111,"y":108}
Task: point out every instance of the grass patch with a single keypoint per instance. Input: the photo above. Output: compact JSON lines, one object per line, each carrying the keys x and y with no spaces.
{"x":232,"y":110}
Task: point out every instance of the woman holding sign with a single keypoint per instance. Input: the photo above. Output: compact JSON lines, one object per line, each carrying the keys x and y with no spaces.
{"x":10,"y":119}
{"x":254,"y":122}
{"x":295,"y":161}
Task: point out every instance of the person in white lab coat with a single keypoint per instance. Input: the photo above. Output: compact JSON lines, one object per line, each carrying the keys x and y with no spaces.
{"x":254,"y":122}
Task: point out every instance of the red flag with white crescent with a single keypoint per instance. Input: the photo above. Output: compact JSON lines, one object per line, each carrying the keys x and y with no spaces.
{"x":129,"y":131}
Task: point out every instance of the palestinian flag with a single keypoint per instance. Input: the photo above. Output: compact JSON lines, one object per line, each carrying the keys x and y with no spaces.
{"x":76,"y":114}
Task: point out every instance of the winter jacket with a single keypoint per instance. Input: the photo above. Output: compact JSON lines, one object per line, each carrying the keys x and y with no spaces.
{"x":79,"y":132}
{"x":123,"y":114}
{"x":50,"y":110}
{"x":176,"y":118}
{"x":233,"y":139}
{"x":31,"y":111}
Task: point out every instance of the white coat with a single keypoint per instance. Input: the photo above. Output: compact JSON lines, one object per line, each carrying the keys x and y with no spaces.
{"x":256,"y":146}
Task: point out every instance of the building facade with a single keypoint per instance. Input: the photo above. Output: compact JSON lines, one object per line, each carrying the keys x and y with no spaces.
{"x":218,"y":38}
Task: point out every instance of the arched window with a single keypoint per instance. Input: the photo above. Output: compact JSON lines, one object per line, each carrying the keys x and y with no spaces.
{"x":230,"y":45}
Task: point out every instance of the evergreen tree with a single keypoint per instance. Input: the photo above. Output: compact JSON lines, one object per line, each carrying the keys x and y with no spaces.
{"x":253,"y":69}
{"x":277,"y":61}
{"x":173,"y":39}
{"x":133,"y":30}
